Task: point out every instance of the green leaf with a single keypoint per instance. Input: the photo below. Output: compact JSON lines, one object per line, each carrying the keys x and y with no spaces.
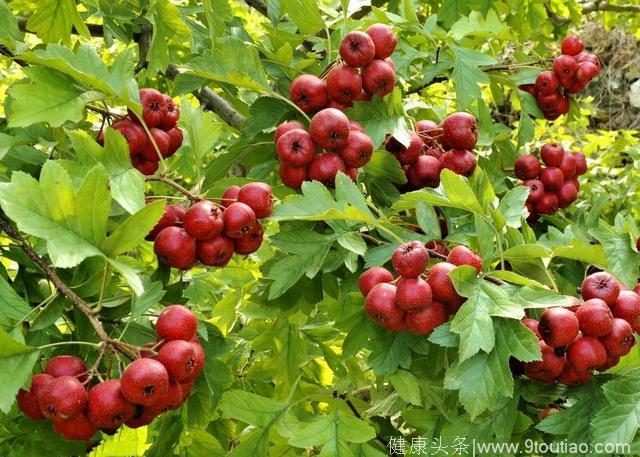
{"x":333,"y":430}
{"x":49,"y":96}
{"x":132,"y":231}
{"x":389,"y":351}
{"x":623,"y":261}
{"x":619,"y":422}
{"x":473,"y":322}
{"x":383,"y":165}
{"x":127,"y":441}
{"x":204,"y":444}
{"x":527,"y":251}
{"x":16,"y":362}
{"x":581,"y":250}
{"x":125,"y":182}
{"x":467,"y":75}
{"x":8,"y":23}
{"x":12,"y":306}
{"x":50,"y":209}
{"x":484,"y":378}
{"x":153,"y":293}
{"x":459,"y":192}
{"x":52,"y":21}
{"x":512,"y":206}
{"x":428,"y":220}
{"x":201,"y":130}
{"x":305,"y":14}
{"x":407,"y":386}
{"x":382,"y":116}
{"x":167,"y":25}
{"x":251,"y":408}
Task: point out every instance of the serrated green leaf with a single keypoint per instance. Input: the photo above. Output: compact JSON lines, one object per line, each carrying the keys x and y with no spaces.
{"x":512,"y":206}
{"x":167,"y":25}
{"x":305,"y":14}
{"x":622,"y":261}
{"x":407,"y":386}
{"x":459,"y":193}
{"x":12,"y":306}
{"x":16,"y":362}
{"x":251,"y":408}
{"x":133,"y":230}
{"x":382,"y":116}
{"x":332,"y":429}
{"x":53,"y":19}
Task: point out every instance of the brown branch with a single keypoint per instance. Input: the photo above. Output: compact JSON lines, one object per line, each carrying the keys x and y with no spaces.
{"x":213,"y":102}
{"x":64,"y":288}
{"x":95,"y":30}
{"x":606,"y":6}
{"x":175,"y":185}
{"x":258,"y":6}
{"x":5,"y":51}
{"x":144,"y":43}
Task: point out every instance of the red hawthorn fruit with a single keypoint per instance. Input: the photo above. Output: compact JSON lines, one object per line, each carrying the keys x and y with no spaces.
{"x":380,"y":305}
{"x":309,"y":93}
{"x":372,"y":277}
{"x":426,"y":320}
{"x":548,"y":368}
{"x":558,"y":327}
{"x":357,"y":49}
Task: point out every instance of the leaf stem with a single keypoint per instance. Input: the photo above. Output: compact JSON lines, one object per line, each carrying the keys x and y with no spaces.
{"x":103,"y":286}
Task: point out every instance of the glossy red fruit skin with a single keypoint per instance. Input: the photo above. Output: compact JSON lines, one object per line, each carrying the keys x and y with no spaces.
{"x":536,"y":190}
{"x":154,"y":107}
{"x":358,"y":150}
{"x":325,"y":167}
{"x":548,"y":204}
{"x":563,"y":105}
{"x":215,"y":252}
{"x":572,"y":45}
{"x":410,"y":259}
{"x":427,"y":127}
{"x":427,"y":169}
{"x":176,"y":248}
{"x":558,"y":327}
{"x":239,"y":220}
{"x":570,"y":377}
{"x":627,"y":307}
{"x":173,"y":215}
{"x":378,"y":78}
{"x":62,"y":399}
{"x":406,"y":155}
{"x":144,"y":382}
{"x":620,"y":341}
{"x":173,"y":114}
{"x":549,"y":103}
{"x":292,"y":177}
{"x":565,"y":66}
{"x":380,"y":305}
{"x":372,"y":277}
{"x":259,"y":197}
{"x":595,"y":318}
{"x":586,"y":72}
{"x":67,"y":365}
{"x":427,"y":319}
{"x":413,"y":294}
{"x":567,"y":194}
{"x":611,"y":362}
{"x":230,"y":196}
{"x":440,"y":283}
{"x":357,"y":49}
{"x":107,"y":408}
{"x":329,"y":128}
{"x":296,"y":148}
{"x":176,"y":322}
{"x":79,"y":428}
{"x":531,"y":324}
{"x":601,"y":285}
{"x":203,"y":221}
{"x":28,"y":399}
{"x":527,"y":167}
{"x":552,"y":178}
{"x":461,"y":130}
{"x":179,"y":358}
{"x":552,"y":154}
{"x":462,"y":255}
{"x":146,"y":167}
{"x":284,"y":128}
{"x":309,"y":93}
{"x":581,"y":163}
{"x":175,"y":140}
{"x":356,"y":126}
{"x":459,"y":161}
{"x":134,"y":134}
{"x":251,"y":243}
{"x":568,"y":166}
{"x":162,"y":140}
{"x":199,"y":361}
{"x":384,"y":40}
{"x":344,"y":84}
{"x":548,"y":368}
{"x":586,"y":354}
{"x":547,"y":82}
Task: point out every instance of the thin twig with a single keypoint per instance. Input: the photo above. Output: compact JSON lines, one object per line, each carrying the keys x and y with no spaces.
{"x":175,"y":185}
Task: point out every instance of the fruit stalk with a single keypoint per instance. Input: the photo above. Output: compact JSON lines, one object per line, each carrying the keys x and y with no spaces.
{"x":194,"y":198}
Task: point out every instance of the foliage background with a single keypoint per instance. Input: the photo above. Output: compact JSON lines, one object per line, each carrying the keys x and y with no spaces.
{"x":293,"y":365}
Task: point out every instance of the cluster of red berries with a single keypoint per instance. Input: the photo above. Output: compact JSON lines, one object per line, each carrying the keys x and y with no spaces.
{"x":161,"y":116}
{"x":366,"y":70}
{"x":345,"y":82}
{"x":571,"y":73}
{"x":414,"y":301}
{"x":591,"y":335}
{"x":159,"y":381}
{"x":434,"y":147}
{"x":554,"y":186}
{"x":211,"y":233}
{"x":347,"y":147}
